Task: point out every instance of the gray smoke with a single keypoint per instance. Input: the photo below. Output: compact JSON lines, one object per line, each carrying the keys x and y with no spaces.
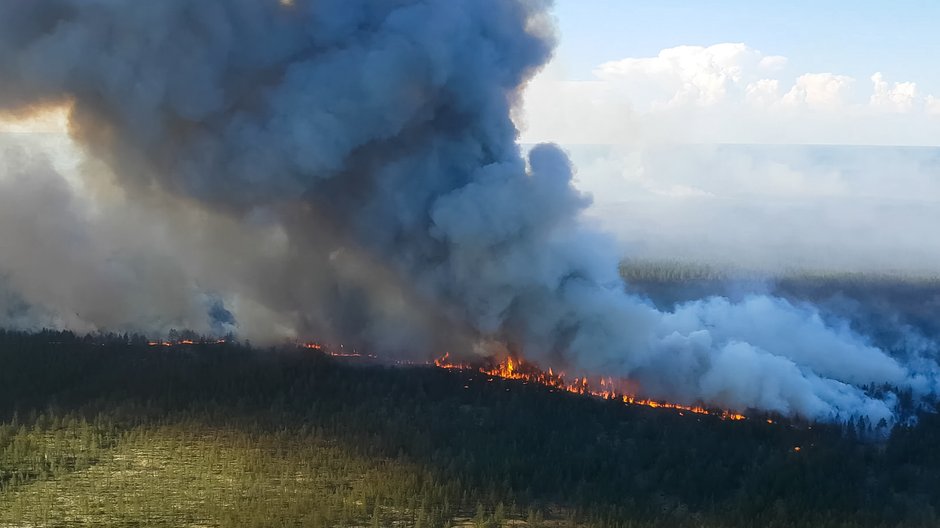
{"x":348,"y":170}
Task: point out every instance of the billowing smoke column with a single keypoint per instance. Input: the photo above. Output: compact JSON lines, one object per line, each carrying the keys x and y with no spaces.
{"x":349,"y":169}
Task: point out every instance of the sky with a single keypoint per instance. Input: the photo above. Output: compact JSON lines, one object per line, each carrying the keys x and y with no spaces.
{"x":647,"y":96}
{"x":898,"y":38}
{"x":741,"y":72}
{"x":759,"y":134}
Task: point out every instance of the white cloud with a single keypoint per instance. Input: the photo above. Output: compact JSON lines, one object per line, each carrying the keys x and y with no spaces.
{"x":932,"y":105}
{"x":763,"y":92}
{"x":819,"y":91}
{"x":688,"y":75}
{"x":897,"y":97}
{"x":725,"y":93}
{"x":816,"y":207}
{"x":773,"y":62}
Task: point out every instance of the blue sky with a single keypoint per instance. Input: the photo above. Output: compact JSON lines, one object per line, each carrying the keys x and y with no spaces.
{"x":856,"y":38}
{"x":709,"y":130}
{"x":732,"y":71}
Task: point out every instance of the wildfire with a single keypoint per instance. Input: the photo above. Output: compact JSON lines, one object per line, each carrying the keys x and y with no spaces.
{"x":606,"y":388}
{"x":444,"y":363}
{"x":341,"y":353}
{"x":184,"y":342}
{"x":513,"y":368}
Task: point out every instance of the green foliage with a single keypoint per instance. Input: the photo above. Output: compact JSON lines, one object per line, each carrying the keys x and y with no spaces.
{"x":106,"y":431}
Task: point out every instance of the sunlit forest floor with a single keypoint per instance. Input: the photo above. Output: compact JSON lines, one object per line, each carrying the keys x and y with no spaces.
{"x":189,"y":474}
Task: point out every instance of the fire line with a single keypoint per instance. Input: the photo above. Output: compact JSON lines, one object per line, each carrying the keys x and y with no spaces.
{"x":516,"y":369}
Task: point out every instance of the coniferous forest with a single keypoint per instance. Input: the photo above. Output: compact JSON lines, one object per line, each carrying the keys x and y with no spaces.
{"x":108,"y":431}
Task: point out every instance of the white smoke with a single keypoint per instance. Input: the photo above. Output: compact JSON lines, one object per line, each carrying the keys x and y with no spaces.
{"x":349,"y":169}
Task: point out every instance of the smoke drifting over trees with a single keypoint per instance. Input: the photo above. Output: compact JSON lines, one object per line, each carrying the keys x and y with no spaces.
{"x":349,"y":170}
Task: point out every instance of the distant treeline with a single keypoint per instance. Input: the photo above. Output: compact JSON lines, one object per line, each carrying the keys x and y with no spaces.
{"x":682,"y":270}
{"x":897,"y":310}
{"x":107,"y":430}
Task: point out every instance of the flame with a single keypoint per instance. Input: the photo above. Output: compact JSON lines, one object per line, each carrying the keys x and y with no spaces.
{"x":606,"y":388}
{"x":184,"y":342}
{"x":514,"y":368}
{"x":350,"y":355}
{"x":342,"y":353}
{"x":444,"y":363}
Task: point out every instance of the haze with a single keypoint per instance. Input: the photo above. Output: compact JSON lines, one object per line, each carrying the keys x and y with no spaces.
{"x":766,"y":137}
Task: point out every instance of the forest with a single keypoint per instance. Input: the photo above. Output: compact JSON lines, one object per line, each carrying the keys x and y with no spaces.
{"x":897,"y":310}
{"x":106,"y":430}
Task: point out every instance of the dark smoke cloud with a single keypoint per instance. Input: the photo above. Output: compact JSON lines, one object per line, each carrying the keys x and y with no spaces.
{"x":348,"y":169}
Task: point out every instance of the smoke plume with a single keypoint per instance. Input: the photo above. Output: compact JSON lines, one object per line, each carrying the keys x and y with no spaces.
{"x":349,"y":170}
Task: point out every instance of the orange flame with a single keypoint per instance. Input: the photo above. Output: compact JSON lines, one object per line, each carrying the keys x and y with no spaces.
{"x":606,"y":388}
{"x":333,"y":353}
{"x":184,"y":342}
{"x":444,"y":363}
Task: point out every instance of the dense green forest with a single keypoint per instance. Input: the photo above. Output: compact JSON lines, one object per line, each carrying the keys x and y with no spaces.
{"x":107,"y":431}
